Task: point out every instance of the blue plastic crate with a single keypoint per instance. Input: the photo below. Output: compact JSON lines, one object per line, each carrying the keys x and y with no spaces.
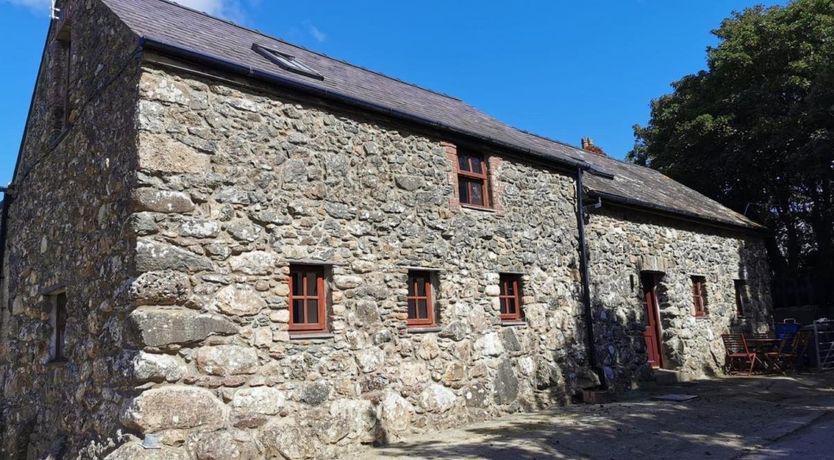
{"x":786,"y":330}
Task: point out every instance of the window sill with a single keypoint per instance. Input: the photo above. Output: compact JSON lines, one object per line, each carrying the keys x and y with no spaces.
{"x":478,"y":208}
{"x":515,"y":323}
{"x":57,"y":363}
{"x":298,"y":335}
{"x":701,"y":317}
{"x":423,"y":329}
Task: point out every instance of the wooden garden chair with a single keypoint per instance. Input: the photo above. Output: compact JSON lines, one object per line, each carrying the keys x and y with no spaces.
{"x":791,"y":357}
{"x":737,"y":351}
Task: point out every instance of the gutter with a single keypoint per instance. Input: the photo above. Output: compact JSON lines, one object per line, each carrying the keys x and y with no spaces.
{"x":269,"y":77}
{"x":586,"y":277}
{"x":654,"y":208}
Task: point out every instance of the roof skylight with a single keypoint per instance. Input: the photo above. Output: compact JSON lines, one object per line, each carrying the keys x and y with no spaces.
{"x":286,"y":61}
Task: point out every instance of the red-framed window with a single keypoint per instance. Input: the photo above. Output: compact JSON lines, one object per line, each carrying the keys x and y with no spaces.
{"x":59,"y":327}
{"x":742,"y":299}
{"x":473,"y":180}
{"x":308,"y":306}
{"x":420,"y":302}
{"x":699,"y":295}
{"x":510,"y":297}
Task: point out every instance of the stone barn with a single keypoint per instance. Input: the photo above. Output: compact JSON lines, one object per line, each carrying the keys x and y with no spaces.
{"x":221,"y":245}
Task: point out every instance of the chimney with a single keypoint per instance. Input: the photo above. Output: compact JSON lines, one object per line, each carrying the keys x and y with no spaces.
{"x":588,"y":145}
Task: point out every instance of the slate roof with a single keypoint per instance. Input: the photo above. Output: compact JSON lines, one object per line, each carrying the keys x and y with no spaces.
{"x":186,"y":29}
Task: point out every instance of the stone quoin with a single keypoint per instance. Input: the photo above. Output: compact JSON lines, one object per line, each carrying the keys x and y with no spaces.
{"x":220,"y":245}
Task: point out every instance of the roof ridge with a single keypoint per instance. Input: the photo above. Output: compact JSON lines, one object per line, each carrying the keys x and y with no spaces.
{"x":319,"y":53}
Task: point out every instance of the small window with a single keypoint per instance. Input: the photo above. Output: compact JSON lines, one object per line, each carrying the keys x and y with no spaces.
{"x":510,"y":297}
{"x":58,"y":322}
{"x":472,"y":180}
{"x":62,"y":75}
{"x":699,"y":295}
{"x":742,"y":297}
{"x":308,"y":306}
{"x":420,"y":302}
{"x":287,"y":62}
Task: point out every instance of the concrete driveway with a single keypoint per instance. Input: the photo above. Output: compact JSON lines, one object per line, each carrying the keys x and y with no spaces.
{"x":751,"y":418}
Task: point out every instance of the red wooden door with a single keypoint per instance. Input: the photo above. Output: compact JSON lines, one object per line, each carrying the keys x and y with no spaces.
{"x":652,"y":332}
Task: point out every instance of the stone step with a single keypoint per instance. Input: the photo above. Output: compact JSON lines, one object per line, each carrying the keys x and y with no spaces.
{"x":597,"y":396}
{"x":669,"y":377}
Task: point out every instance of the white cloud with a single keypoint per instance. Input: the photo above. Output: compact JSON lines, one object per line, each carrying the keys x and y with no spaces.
{"x":316,"y":33}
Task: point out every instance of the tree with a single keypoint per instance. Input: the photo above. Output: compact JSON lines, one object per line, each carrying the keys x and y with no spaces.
{"x":755,"y":131}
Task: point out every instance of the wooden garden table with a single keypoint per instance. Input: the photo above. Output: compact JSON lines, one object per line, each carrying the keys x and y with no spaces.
{"x":761,"y":346}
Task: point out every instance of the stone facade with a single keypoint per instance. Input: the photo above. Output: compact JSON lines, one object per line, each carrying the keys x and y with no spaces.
{"x":65,"y":230}
{"x":261,"y":181}
{"x":623,"y":244}
{"x":172,"y":207}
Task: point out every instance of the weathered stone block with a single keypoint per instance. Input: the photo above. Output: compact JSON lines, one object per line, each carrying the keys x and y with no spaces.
{"x":395,"y":412}
{"x":163,"y":326}
{"x":224,"y":445}
{"x":157,"y":368}
{"x":437,"y":398}
{"x":358,"y":417}
{"x":156,"y":256}
{"x":198,"y":228}
{"x":227,"y":360}
{"x":135,"y":451}
{"x":238,"y":300}
{"x":370,"y":359}
{"x":286,"y":438}
{"x":476,"y":395}
{"x":505,"y":383}
{"x":315,"y":393}
{"x":162,"y":154}
{"x":149,"y":199}
{"x":251,"y":406}
{"x":175,"y":407}
{"x":489,"y":345}
{"x":254,"y":263}
{"x":160,"y":288}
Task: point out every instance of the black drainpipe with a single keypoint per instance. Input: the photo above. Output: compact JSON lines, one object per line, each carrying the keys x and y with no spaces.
{"x":583,"y":268}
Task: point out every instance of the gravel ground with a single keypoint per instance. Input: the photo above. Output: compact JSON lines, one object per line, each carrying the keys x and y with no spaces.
{"x":751,"y":418}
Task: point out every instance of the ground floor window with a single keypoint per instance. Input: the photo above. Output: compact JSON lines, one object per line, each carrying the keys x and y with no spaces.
{"x":58,"y":321}
{"x":308,"y":306}
{"x":510,"y":297}
{"x":699,"y":295}
{"x":421,"y":311}
{"x":742,"y":297}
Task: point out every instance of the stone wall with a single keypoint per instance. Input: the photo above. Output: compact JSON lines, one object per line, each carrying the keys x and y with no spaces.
{"x":624,"y":243}
{"x":172,"y":206}
{"x":69,"y":204}
{"x":236,"y":183}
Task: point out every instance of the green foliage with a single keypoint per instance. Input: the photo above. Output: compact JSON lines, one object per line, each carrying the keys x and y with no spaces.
{"x":755,"y":130}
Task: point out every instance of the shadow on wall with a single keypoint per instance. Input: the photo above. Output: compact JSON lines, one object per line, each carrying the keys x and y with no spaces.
{"x":756,"y":296}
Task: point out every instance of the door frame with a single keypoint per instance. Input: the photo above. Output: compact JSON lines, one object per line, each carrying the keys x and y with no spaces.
{"x":653,"y":311}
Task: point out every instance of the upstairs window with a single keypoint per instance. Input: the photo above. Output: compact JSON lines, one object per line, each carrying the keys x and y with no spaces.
{"x":58,"y":322}
{"x":473,"y":180}
{"x":699,"y":295}
{"x":308,"y":306}
{"x":61,"y":75}
{"x":742,"y":297}
{"x":287,"y":62}
{"x":510,"y":297}
{"x":420,"y":303}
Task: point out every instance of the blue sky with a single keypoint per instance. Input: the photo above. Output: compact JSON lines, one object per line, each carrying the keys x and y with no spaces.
{"x":563,"y":69}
